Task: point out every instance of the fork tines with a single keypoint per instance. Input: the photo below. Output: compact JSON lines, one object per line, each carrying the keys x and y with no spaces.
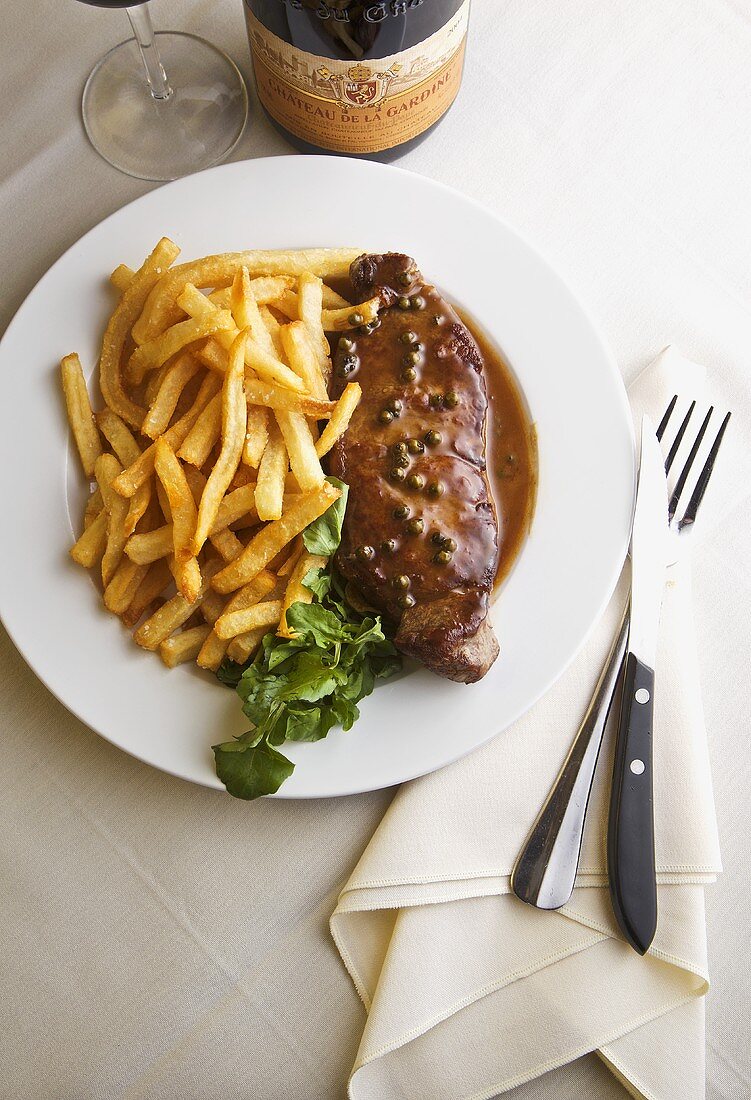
{"x":700,"y":486}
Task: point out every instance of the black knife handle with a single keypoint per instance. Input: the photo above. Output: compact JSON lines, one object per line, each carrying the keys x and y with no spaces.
{"x":631,"y":846}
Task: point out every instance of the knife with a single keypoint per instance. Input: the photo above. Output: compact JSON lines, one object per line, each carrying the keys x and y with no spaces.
{"x":631,"y":851}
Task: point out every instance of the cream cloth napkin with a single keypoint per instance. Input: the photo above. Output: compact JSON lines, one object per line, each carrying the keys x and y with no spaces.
{"x":469,"y":992}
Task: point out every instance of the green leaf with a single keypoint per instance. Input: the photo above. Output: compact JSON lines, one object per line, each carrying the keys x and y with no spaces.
{"x":251,"y":770}
{"x":229,"y":672}
{"x":322,"y":627}
{"x":318,"y":581}
{"x":324,"y":534}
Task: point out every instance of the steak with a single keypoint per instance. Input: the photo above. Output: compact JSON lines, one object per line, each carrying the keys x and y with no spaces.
{"x":420,"y":538}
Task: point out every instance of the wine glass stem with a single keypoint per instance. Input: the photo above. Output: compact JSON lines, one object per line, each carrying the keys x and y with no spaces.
{"x":140,"y":21}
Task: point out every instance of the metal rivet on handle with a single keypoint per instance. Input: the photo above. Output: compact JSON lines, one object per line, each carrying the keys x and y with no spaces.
{"x":637,"y":766}
{"x":642,"y":695}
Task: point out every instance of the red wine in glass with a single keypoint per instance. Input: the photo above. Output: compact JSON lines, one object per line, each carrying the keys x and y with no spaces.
{"x":160,"y":106}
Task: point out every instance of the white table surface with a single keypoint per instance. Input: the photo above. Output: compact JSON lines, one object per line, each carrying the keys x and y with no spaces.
{"x":618,"y":137}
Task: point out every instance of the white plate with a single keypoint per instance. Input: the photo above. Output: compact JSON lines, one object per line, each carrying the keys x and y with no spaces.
{"x":568,"y":566}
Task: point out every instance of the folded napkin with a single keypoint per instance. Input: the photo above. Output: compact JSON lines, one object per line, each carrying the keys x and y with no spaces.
{"x":469,"y":992}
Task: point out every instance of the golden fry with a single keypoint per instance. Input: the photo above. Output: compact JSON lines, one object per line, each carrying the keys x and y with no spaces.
{"x":273,"y":328}
{"x":289,"y":564}
{"x":232,"y":623}
{"x":184,"y":514}
{"x":241,"y":647}
{"x":227,"y":544}
{"x":310,"y":305}
{"x":106,"y":470}
{"x":119,"y":436}
{"x":151,"y":545}
{"x":301,"y":449}
{"x":160,"y":310}
{"x":119,"y":328}
{"x":332,"y":300}
{"x":184,"y":646}
{"x":269,"y":494}
{"x":90,"y":546}
{"x":158,"y":577}
{"x":339,"y":320}
{"x":296,"y":592}
{"x":256,"y":435}
{"x":214,"y":648}
{"x":340,"y":418}
{"x":246,"y":312}
{"x":266,"y":394}
{"x":164,"y":404}
{"x":302,"y":357}
{"x":271,"y":368}
{"x":94,"y":506}
{"x":197,"y":445}
{"x":80,"y":416}
{"x":213,"y":356}
{"x":234,"y":420}
{"x":142,"y":469}
{"x":122,"y":277}
{"x":270,"y":540}
{"x":155,"y":352}
{"x":119,"y":593}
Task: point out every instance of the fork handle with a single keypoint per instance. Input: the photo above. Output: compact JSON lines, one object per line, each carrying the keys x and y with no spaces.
{"x":631,"y":850}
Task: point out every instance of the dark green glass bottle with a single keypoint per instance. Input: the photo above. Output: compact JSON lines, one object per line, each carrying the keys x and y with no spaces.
{"x":363,"y":79}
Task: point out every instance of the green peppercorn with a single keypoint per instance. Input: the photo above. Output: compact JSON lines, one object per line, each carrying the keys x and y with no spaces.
{"x":448,"y":544}
{"x":402,"y":582}
{"x":432,"y":438}
{"x":418,"y":302}
{"x":399,"y":448}
{"x":435,"y":319}
{"x":435,"y":489}
{"x":416,"y":481}
{"x":437,"y":538}
{"x":436,"y":401}
{"x":411,"y":359}
{"x":406,"y":601}
{"x":415,"y":446}
{"x":345,"y":343}
{"x":349,"y":363}
{"x":403,"y":302}
{"x":388,"y":546}
{"x":442,"y":557}
{"x":401,"y":511}
{"x":385,"y":416}
{"x":397,"y":473}
{"x":404,"y":279}
{"x":415,"y":526}
{"x":355,"y":318}
{"x":401,"y":461}
{"x":395,"y":406}
{"x":451,"y":399}
{"x":365,"y":553}
{"x":409,"y":374}
{"x":408,"y":336}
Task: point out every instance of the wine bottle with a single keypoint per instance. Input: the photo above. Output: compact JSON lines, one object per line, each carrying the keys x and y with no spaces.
{"x":364,"y":79}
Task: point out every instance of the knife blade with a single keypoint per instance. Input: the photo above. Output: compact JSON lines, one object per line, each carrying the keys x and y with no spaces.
{"x":631,"y":856}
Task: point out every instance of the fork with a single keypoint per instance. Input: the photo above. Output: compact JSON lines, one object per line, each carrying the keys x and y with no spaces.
{"x":545,"y":870}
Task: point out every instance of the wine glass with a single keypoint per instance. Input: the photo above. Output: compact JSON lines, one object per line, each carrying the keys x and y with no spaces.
{"x":178,"y":107}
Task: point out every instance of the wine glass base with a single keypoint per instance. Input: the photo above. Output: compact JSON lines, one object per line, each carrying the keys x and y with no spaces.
{"x":197,"y":126}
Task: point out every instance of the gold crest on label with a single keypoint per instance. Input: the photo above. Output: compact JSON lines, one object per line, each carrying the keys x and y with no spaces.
{"x":359,"y":86}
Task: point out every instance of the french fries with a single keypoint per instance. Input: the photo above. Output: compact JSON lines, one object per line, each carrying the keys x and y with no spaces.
{"x":160,"y":310}
{"x":184,"y":515}
{"x":272,"y":538}
{"x":80,"y":416}
{"x":297,"y":343}
{"x":234,"y":421}
{"x":233,"y":623}
{"x":301,"y":449}
{"x":184,"y":646}
{"x":272,"y":470}
{"x":296,"y":592}
{"x":340,"y":418}
{"x":214,"y":378}
{"x":118,"y":330}
{"x":164,"y":404}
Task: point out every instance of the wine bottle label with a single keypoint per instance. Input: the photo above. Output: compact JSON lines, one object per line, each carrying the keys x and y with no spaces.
{"x":359,"y":107}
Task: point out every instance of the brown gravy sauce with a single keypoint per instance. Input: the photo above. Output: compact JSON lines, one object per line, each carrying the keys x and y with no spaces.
{"x":511,"y":443}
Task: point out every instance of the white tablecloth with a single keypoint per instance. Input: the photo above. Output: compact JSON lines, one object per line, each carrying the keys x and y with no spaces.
{"x":160,"y":940}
